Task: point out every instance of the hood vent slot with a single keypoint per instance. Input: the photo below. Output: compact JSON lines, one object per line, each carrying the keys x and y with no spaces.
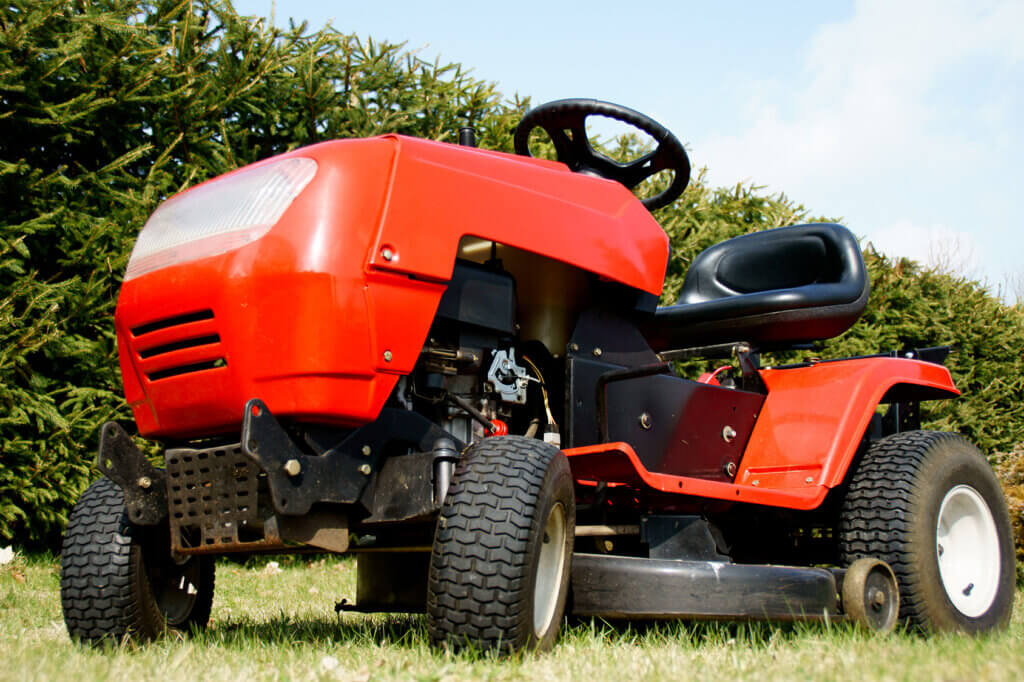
{"x":192,"y":334}
{"x":186,"y":369}
{"x":179,"y":345}
{"x":196,"y":316}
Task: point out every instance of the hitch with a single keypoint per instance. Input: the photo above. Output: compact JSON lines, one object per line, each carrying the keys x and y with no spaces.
{"x":144,"y":486}
{"x":356,"y":469}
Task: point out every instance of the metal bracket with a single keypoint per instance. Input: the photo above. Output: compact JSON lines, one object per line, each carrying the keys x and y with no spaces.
{"x":680,"y":537}
{"x":936,"y":354}
{"x":298,"y":480}
{"x":144,"y":486}
{"x":750,"y":362}
{"x":619,"y":375}
{"x":341,"y":474}
{"x":509,"y":379}
{"x":905,"y":416}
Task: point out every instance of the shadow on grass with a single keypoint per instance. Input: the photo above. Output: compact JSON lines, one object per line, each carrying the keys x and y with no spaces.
{"x":409,"y":631}
{"x":402,"y":630}
{"x":699,"y":633}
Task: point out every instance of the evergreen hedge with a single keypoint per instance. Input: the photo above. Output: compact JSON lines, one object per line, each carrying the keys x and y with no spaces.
{"x":109,"y":106}
{"x":106,"y":108}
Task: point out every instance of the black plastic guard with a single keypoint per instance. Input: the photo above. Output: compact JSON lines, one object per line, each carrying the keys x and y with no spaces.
{"x":144,"y":486}
{"x":611,"y":586}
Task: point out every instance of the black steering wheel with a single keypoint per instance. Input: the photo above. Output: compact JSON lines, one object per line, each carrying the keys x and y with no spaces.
{"x":565,"y":121}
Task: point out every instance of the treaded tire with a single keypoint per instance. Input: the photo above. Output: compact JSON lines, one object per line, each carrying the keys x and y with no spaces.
{"x":891,"y":512}
{"x":118,"y":580}
{"x":489,"y":548}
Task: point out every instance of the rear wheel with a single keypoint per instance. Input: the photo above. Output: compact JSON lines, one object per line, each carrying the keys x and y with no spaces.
{"x":499,"y":570}
{"x":120,"y":580}
{"x":929,"y":505}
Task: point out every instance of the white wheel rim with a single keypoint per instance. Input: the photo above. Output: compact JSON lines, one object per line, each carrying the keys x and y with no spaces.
{"x":549,"y":570}
{"x":967,"y":545}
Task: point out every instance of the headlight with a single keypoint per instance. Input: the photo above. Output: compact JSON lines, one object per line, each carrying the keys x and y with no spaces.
{"x":219,"y":216}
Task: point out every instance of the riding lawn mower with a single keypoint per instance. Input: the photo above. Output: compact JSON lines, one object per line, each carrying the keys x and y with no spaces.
{"x":452,"y":363}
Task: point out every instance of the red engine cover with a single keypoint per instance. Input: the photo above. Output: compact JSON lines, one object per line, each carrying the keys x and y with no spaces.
{"x":314,"y":319}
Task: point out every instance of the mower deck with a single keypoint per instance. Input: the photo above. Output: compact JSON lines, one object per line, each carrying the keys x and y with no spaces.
{"x":610,"y":586}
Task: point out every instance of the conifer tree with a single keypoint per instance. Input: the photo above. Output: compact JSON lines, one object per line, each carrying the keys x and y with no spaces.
{"x":108,"y":107}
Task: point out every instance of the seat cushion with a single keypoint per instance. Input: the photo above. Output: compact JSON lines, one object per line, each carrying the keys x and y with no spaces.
{"x":777,"y":287}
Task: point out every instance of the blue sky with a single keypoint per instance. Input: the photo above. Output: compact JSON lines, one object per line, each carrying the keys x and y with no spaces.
{"x":900,"y":117}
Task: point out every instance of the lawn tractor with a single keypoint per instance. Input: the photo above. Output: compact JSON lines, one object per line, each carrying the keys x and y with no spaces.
{"x":451,"y":362}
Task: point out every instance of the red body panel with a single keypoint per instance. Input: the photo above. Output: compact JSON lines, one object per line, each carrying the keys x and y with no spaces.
{"x":805,"y":437}
{"x":304,"y":315}
{"x":440,"y":193}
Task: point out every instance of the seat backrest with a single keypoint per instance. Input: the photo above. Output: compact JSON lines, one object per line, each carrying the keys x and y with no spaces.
{"x":790,"y":285}
{"x":823,"y":261}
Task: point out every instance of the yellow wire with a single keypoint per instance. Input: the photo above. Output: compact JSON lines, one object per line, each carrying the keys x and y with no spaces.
{"x":543,"y":388}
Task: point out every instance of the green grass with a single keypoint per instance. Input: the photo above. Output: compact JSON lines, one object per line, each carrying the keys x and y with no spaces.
{"x":270,"y":625}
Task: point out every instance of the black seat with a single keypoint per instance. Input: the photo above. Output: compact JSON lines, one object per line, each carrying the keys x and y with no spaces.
{"x":772,"y":288}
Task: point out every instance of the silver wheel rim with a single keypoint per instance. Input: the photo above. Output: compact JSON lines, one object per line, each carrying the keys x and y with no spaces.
{"x":549,"y":570}
{"x":967,"y":545}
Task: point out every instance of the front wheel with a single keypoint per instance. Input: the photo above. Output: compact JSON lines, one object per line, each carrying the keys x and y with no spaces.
{"x":499,"y":568}
{"x":929,"y":505}
{"x":119,"y":580}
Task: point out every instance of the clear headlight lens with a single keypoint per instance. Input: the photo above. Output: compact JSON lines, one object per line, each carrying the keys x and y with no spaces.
{"x":219,"y":216}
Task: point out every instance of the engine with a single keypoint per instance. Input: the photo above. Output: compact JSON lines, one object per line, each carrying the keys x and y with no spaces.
{"x":474,"y":377}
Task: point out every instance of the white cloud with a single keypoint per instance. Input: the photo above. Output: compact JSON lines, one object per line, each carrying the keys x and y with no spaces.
{"x":936,"y":245}
{"x":870,"y":95}
{"x":905,"y":109}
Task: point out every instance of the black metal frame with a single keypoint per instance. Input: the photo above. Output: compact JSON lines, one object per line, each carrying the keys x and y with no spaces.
{"x":620,"y":390}
{"x":342,"y":473}
{"x":144,"y":485}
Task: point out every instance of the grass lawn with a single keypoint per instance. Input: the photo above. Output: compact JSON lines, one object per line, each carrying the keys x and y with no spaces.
{"x":280,"y":624}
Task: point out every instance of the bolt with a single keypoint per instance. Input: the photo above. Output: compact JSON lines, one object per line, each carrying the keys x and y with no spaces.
{"x":809,"y":479}
{"x":728,"y":433}
{"x":968,"y":589}
{"x":597,"y":352}
{"x":145,"y":482}
{"x":387,"y":356}
{"x":730,"y":469}
{"x":292,"y":467}
{"x":941,"y":550}
{"x":755,"y":482}
{"x":645,"y":421}
{"x":879,"y":598}
{"x":574,"y":347}
{"x":387,"y":253}
{"x":365,"y":469}
{"x":367,"y":450}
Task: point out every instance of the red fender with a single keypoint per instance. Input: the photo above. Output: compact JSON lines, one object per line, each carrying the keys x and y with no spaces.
{"x":805,"y":437}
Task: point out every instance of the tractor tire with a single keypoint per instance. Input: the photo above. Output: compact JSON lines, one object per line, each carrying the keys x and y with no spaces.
{"x":119,"y":580}
{"x":929,"y":505}
{"x":499,"y":569}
